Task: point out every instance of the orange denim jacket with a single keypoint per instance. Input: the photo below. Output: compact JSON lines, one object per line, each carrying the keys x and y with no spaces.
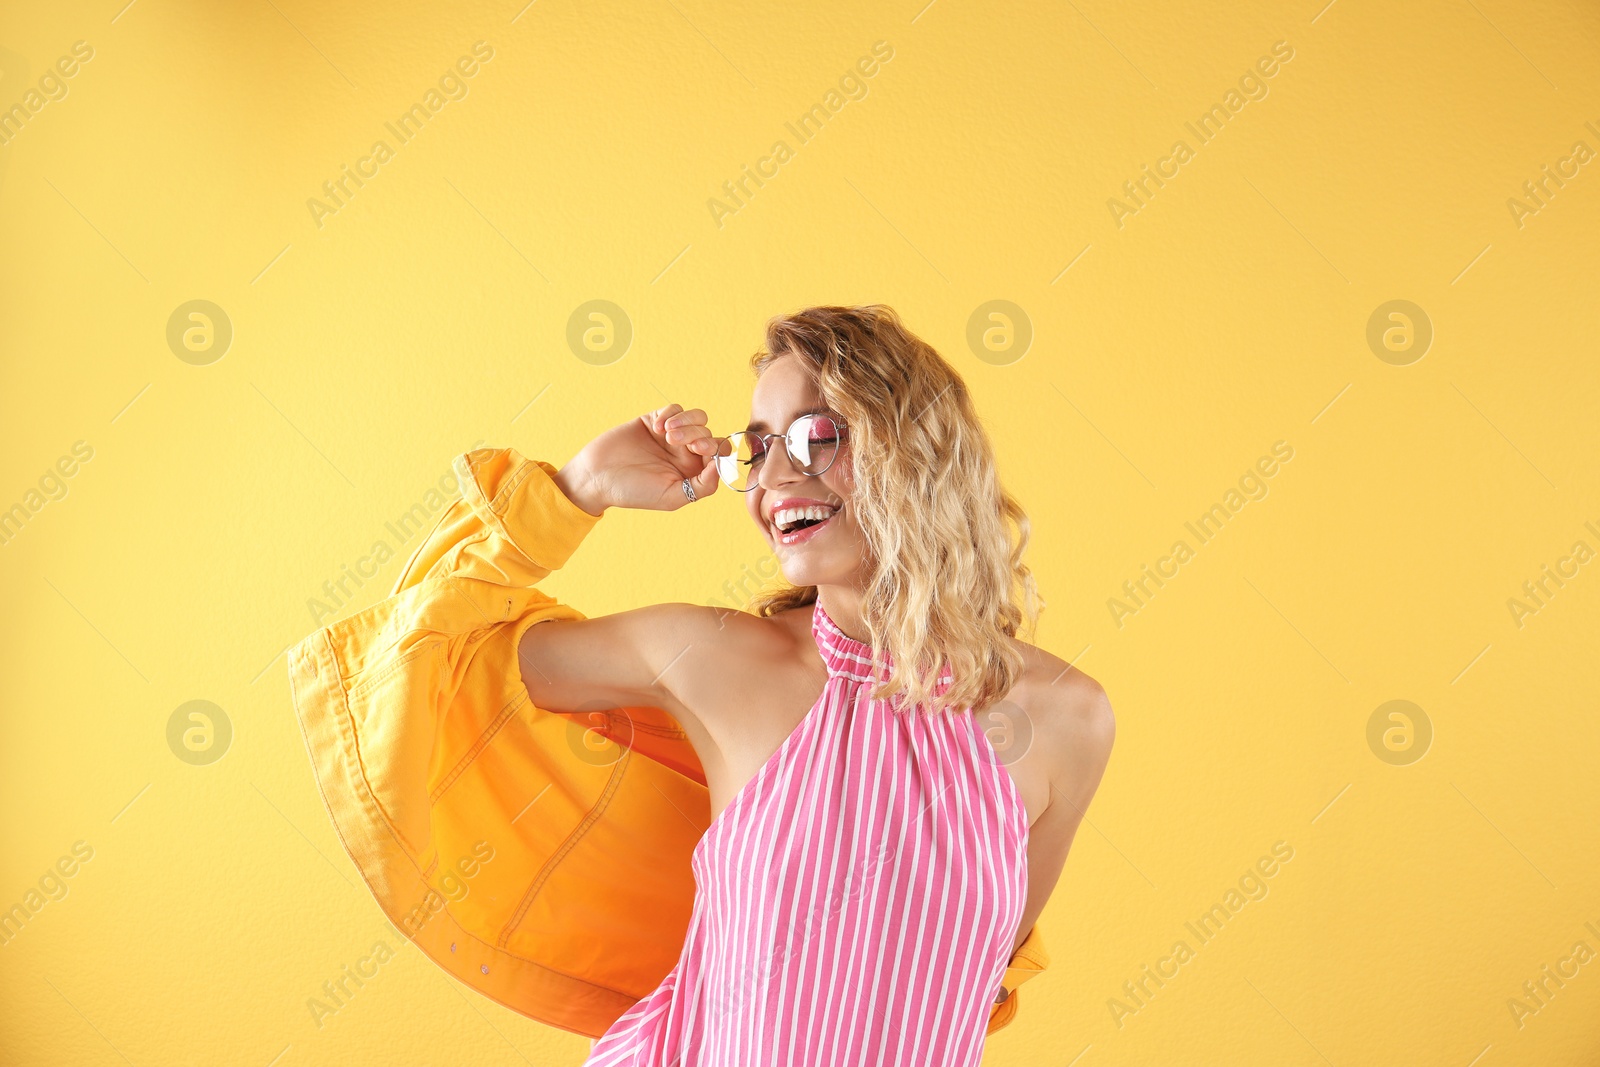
{"x":530,"y":853}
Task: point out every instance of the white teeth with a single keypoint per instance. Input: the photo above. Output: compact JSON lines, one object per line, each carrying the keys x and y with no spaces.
{"x":785,"y":516}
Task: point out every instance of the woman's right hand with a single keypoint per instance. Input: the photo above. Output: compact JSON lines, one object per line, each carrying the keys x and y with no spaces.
{"x":643,"y":462}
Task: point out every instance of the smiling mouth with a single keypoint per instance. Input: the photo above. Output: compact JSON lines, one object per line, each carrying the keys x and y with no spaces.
{"x":801,"y":529}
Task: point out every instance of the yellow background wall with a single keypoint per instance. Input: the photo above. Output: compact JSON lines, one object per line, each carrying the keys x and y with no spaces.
{"x":1171,"y":348}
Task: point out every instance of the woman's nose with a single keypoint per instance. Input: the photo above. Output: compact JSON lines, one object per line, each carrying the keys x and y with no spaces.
{"x":771,"y":476}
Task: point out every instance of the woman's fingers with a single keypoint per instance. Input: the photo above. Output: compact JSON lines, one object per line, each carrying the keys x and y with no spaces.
{"x":696,"y":439}
{"x":686,"y":428}
{"x":694,"y":416}
{"x":686,"y":435}
{"x":659,"y":417}
{"x":705,"y":483}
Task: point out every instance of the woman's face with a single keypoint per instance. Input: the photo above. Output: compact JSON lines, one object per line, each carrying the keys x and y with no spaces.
{"x":833,"y":552}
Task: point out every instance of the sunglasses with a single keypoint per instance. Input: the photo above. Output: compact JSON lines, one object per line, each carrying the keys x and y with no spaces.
{"x":812,"y":441}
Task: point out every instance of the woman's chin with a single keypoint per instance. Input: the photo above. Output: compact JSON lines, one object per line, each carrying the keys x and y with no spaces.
{"x":800,"y":568}
{"x":795,"y":572}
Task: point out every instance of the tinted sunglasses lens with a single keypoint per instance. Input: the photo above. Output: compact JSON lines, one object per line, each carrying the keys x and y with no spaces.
{"x":736,"y":460}
{"x":813,"y":442}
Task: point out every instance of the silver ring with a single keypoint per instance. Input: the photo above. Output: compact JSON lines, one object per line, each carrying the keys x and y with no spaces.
{"x":688,"y":490}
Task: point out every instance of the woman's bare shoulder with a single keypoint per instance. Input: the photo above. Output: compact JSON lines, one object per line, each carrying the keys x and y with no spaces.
{"x":735,"y":680}
{"x":1069,"y":708}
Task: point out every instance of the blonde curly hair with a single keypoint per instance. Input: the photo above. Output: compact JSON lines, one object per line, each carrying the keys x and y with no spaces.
{"x":949,"y":587}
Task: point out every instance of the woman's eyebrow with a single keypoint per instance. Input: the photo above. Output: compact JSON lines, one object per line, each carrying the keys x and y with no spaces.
{"x":758,"y":425}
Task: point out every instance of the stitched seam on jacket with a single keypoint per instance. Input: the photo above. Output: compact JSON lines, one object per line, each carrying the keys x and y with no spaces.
{"x":601,"y":803}
{"x":389,"y":670}
{"x":350,"y":753}
{"x":361,"y":764}
{"x":411,"y":560}
{"x":508,"y":709}
{"x":634,"y":725}
{"x":502,"y":502}
{"x":658,"y":731}
{"x":370,"y":680}
{"x":514,"y":704}
{"x":1024,"y":954}
{"x":513,"y":480}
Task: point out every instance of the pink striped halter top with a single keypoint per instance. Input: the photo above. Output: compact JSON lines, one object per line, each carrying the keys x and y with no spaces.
{"x":856,"y":901}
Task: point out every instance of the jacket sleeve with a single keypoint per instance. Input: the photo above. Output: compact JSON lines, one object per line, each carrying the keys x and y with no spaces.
{"x":1027,"y":962}
{"x":512,"y":526}
{"x":522,"y":850}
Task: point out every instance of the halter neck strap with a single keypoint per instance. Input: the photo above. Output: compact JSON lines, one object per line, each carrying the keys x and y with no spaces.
{"x":845,"y":656}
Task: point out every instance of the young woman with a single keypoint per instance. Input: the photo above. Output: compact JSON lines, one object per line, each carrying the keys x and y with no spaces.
{"x":895,"y":778}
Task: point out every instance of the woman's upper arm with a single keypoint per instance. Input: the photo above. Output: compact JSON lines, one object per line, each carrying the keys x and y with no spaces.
{"x":624,"y":659}
{"x":1081,"y":729}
